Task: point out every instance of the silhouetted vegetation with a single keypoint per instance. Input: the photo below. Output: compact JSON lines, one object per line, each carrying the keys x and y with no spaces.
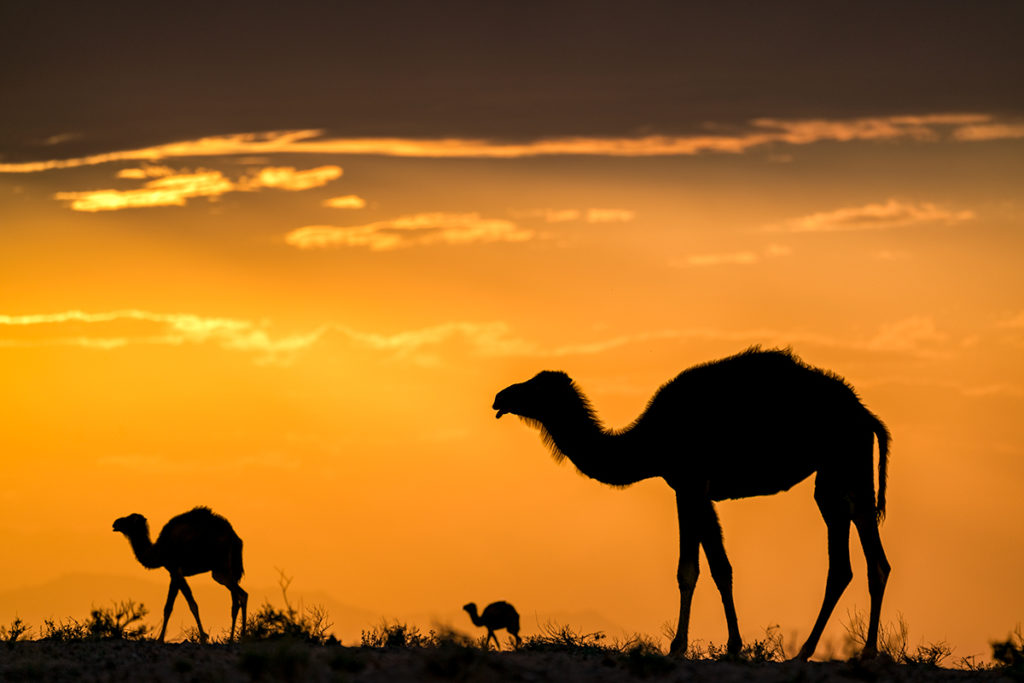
{"x":17,"y":629}
{"x":393,"y":634}
{"x":308,"y":625}
{"x":122,"y":621}
{"x":1010,"y":653}
{"x":893,"y":642}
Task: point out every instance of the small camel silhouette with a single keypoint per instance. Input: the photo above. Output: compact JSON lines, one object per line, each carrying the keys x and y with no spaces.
{"x":192,"y":543}
{"x":496,"y":615}
{"x":751,"y":424}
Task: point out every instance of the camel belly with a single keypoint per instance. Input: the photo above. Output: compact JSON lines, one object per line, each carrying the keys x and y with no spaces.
{"x":746,"y":481}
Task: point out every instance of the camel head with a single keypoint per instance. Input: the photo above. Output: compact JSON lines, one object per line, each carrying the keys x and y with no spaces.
{"x":470,"y":607}
{"x":536,"y":399}
{"x":132,"y":525}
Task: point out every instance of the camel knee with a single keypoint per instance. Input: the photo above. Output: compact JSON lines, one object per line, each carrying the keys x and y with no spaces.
{"x":687,"y":575}
{"x":878,"y":577}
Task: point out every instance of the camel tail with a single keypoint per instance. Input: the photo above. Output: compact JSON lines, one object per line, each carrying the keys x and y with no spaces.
{"x":884,"y":438}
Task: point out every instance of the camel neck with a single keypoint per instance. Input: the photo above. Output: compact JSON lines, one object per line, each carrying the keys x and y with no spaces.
{"x":145,"y":551}
{"x":609,"y":457}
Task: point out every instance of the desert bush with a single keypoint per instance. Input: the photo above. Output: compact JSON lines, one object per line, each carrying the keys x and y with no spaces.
{"x":309,"y":625}
{"x":17,"y":629}
{"x":120,"y":622}
{"x":396,"y":634}
{"x":63,"y":631}
{"x":1009,"y":653}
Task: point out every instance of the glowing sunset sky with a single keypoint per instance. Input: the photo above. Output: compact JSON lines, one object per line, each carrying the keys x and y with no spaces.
{"x":278,"y":260}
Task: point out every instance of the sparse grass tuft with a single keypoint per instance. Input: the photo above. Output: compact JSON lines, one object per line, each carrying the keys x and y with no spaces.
{"x":555,"y":638}
{"x":893,"y":642}
{"x":757,"y":651}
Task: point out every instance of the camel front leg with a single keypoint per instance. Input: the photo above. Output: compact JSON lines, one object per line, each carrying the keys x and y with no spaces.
{"x":187,"y":592}
{"x":239,"y":600}
{"x":689,"y":547}
{"x":721,"y":572}
{"x":172,"y":594}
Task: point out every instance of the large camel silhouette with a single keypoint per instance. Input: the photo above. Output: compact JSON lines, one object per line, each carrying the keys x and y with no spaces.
{"x":752,"y":424}
{"x":192,"y":543}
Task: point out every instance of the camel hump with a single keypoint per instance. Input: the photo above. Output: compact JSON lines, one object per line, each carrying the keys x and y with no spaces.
{"x":503,"y":613}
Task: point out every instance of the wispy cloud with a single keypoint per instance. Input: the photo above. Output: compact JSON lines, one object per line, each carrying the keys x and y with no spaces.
{"x":132,"y":327}
{"x":349,"y":201}
{"x":961,"y":127}
{"x":287,"y":178}
{"x":610,"y":215}
{"x":408,"y":231}
{"x":891,"y":214}
{"x":594,"y":215}
{"x":108,"y":331}
{"x":172,"y":188}
{"x":734,"y":258}
{"x":990,"y":131}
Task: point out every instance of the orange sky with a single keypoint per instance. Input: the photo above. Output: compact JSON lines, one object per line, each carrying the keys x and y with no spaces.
{"x":305,"y":332}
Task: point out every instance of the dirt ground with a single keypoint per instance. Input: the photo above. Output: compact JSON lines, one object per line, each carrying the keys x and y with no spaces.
{"x":293,"y":661}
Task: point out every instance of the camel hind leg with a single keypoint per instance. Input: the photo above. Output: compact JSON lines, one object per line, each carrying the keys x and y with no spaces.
{"x":878,"y":571}
{"x":239,"y":600}
{"x":836,"y":513}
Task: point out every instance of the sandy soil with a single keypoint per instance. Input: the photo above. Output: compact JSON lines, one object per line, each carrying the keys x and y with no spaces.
{"x":289,"y":661}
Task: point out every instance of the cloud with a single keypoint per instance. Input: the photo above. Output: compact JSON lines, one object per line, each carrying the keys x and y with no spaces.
{"x":408,"y":231}
{"x":113,"y":330}
{"x":891,"y":214}
{"x":960,"y":127}
{"x":990,"y":131}
{"x":735,"y":258}
{"x":148,"y":171}
{"x":553,"y":215}
{"x":610,"y":215}
{"x":349,"y":201}
{"x":172,"y":188}
{"x":287,"y":178}
{"x":914,"y":336}
{"x":588,"y":215}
